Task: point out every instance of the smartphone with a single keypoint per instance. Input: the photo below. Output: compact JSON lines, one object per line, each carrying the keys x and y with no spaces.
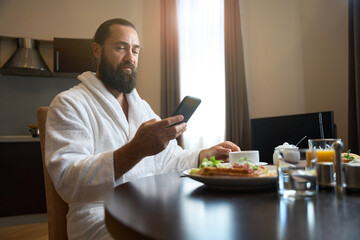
{"x":186,"y":108}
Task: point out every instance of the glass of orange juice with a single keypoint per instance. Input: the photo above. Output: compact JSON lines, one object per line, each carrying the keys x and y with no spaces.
{"x":326,"y":155}
{"x":324,"y":149}
{"x":310,"y":156}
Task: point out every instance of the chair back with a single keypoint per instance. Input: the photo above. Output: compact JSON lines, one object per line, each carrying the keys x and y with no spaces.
{"x":57,"y":208}
{"x":270,"y":132}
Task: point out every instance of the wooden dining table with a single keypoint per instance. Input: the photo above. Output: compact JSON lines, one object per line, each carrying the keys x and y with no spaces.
{"x":171,"y":206}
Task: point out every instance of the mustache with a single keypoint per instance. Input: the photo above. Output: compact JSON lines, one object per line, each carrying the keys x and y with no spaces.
{"x":126,"y":65}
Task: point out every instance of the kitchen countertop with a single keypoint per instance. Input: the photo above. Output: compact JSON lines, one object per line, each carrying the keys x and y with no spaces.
{"x":19,"y":138}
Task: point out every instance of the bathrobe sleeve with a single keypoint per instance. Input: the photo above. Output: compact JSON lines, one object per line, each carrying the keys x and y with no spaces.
{"x":78,"y":172}
{"x":174,"y":158}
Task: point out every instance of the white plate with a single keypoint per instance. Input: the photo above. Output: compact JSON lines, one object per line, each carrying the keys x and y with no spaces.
{"x":257,"y":164}
{"x":261,"y":163}
{"x":235,"y":182}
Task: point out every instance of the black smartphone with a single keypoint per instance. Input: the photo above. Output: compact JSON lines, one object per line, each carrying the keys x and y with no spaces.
{"x":186,"y":108}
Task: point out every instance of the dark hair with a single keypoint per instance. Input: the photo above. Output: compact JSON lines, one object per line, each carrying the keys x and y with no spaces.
{"x":102,"y":33}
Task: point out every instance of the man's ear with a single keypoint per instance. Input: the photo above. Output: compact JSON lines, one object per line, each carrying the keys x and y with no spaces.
{"x":96,"y":49}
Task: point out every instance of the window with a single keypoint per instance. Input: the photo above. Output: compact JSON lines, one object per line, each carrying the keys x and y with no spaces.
{"x":202,"y":69}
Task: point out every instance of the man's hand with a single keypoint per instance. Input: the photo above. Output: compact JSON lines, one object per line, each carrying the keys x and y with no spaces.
{"x":151,"y":138}
{"x":220,"y":151}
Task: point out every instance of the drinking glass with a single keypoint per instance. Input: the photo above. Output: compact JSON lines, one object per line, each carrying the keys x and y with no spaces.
{"x":324,"y":149}
{"x":325,"y":154}
{"x":297,"y":180}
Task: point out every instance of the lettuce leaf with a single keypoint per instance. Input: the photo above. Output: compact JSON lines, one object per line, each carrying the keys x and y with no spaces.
{"x":211,"y":163}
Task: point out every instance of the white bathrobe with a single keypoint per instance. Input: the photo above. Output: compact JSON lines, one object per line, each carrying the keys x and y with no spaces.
{"x":84,"y":126}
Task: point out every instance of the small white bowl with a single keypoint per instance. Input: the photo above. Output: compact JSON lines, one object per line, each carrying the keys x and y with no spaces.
{"x":251,"y":156}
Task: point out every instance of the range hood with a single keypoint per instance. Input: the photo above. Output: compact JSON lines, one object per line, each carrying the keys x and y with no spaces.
{"x":26,"y":61}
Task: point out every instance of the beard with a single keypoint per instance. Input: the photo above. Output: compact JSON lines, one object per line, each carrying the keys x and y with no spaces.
{"x":116,"y":78}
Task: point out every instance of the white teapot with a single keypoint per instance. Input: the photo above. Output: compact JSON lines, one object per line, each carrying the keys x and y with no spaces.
{"x":286,"y":153}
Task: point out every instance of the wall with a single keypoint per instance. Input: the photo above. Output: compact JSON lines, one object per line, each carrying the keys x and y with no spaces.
{"x":149,"y":84}
{"x":46,"y":19}
{"x":21,"y":96}
{"x":325,"y":59}
{"x":43,"y":19}
{"x":296,"y":57}
{"x":273,"y":57}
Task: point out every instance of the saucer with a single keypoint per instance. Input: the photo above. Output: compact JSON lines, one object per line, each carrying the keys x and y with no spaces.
{"x":261,"y":163}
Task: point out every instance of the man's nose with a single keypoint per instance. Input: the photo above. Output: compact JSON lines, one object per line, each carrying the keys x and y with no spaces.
{"x":130,"y":57}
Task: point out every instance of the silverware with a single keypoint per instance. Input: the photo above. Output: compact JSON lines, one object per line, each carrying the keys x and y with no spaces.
{"x":300,"y":141}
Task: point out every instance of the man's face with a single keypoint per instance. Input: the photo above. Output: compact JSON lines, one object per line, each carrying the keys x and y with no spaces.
{"x":119,"y":58}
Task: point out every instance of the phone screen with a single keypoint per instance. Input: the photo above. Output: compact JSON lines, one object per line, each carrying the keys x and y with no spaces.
{"x":186,"y":108}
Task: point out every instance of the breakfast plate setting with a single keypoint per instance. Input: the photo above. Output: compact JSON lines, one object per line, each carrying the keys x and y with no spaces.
{"x":243,"y":171}
{"x":238,"y":182}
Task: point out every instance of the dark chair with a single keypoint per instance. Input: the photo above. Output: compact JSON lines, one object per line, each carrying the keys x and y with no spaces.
{"x":269,"y":132}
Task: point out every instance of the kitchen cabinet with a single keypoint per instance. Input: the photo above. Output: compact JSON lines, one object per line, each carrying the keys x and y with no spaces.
{"x":22,"y":187}
{"x":73,"y":55}
{"x":65,"y":57}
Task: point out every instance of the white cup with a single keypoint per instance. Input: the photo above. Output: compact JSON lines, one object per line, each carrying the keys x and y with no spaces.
{"x":252,"y":156}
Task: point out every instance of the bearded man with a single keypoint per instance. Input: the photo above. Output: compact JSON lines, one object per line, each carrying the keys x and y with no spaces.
{"x":100,"y":133}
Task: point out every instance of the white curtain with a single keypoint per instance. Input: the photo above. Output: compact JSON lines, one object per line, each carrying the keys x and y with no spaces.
{"x":202,"y":69}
